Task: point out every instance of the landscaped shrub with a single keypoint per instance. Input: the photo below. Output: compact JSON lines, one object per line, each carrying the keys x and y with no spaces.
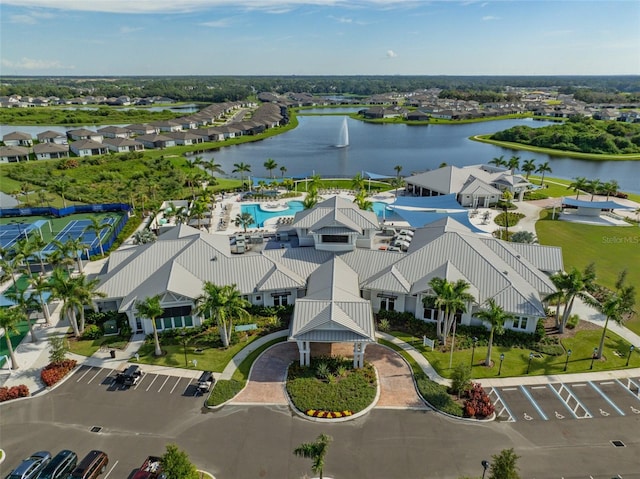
{"x":478,"y":404}
{"x":92,"y":331}
{"x":573,"y":321}
{"x":437,"y":395}
{"x":14,"y":392}
{"x":54,"y":372}
{"x":224,"y":390}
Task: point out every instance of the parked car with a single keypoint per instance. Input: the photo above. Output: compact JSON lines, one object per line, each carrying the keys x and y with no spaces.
{"x":60,"y":466}
{"x":93,"y":464}
{"x":31,"y":466}
{"x":130,"y":376}
{"x":205,"y":382}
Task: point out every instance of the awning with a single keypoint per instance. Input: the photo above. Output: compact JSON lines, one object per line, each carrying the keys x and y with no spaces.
{"x":418,"y":219}
{"x":376,"y":176}
{"x":442,"y":203}
{"x":600,"y":205}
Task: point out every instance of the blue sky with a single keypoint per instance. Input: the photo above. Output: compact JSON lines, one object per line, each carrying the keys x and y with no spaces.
{"x":319,"y":37}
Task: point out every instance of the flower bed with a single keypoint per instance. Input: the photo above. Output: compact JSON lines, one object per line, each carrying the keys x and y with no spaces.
{"x":14,"y":392}
{"x":478,"y":405}
{"x":328,"y":414}
{"x":54,"y":372}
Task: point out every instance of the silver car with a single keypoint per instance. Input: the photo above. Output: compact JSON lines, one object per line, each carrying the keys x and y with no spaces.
{"x":31,"y":466}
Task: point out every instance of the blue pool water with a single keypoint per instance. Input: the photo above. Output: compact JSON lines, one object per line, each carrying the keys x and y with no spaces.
{"x":261,"y":216}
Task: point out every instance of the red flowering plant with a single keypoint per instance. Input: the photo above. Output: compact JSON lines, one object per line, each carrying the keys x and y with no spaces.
{"x":478,"y":404}
{"x":54,"y":372}
{"x":14,"y":392}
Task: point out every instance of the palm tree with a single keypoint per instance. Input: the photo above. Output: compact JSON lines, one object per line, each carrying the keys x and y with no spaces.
{"x":397,"y":183}
{"x":310,"y":200}
{"x":97,"y":227}
{"x":572,"y":285}
{"x":514,"y":163}
{"x":270,"y":165}
{"x":283,"y":170}
{"x":8,"y":269}
{"x":398,"y":169}
{"x":245,"y":220}
{"x":9,"y":317}
{"x":150,"y":308}
{"x":87,"y":292}
{"x":594,"y":187}
{"x":611,"y":187}
{"x":529,"y":166}
{"x":224,"y":303}
{"x":362,"y":201}
{"x":496,"y":317}
{"x":25,"y":188}
{"x":579,"y":184}
{"x":26,"y":303}
{"x":38,"y":245}
{"x":241,"y":168}
{"x":450,"y":298}
{"x":543,"y":168}
{"x":212,"y":167}
{"x":358,"y":182}
{"x":77,"y":246}
{"x":617,"y":306}
{"x":143,"y":236}
{"x":60,"y":186}
{"x":198,"y":211}
{"x":558,"y":297}
{"x":498,"y":161}
{"x":39,"y":286}
{"x":65,"y":289}
{"x":22,"y":251}
{"x":316,"y":451}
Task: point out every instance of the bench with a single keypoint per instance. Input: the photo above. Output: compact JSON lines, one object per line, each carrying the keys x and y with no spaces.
{"x":246,"y":327}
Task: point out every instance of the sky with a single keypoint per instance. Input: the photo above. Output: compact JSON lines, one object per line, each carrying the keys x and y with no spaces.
{"x":319,"y":37}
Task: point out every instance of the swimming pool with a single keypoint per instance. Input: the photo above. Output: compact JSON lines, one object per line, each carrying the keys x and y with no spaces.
{"x":260,"y":216}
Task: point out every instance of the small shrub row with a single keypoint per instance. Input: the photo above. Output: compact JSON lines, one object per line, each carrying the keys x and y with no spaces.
{"x":224,"y":390}
{"x":328,"y":414}
{"x":54,"y":372}
{"x":92,"y":331}
{"x":478,"y":405}
{"x":14,"y":392}
{"x":437,"y":395}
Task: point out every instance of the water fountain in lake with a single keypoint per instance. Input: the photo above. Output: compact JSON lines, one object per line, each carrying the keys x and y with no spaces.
{"x":343,"y":139}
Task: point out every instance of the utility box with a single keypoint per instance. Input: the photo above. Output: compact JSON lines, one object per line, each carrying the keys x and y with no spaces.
{"x":110,"y":327}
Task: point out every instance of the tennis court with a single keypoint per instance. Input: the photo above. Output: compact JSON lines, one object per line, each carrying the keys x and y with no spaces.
{"x":10,"y":233}
{"x":77,"y":229}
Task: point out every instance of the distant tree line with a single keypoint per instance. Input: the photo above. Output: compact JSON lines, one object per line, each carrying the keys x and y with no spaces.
{"x":232,"y":88}
{"x":578,"y":134}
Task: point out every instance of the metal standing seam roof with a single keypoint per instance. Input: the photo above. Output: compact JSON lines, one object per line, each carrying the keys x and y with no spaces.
{"x":599,"y":205}
{"x":545,"y":258}
{"x":336,"y":211}
{"x":479,"y":187}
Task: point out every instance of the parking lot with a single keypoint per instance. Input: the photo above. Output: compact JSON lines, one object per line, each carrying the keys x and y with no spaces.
{"x":562,"y":401}
{"x":149,"y":382}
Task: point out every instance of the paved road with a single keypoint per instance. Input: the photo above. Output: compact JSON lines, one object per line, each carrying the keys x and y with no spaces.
{"x":244,"y":441}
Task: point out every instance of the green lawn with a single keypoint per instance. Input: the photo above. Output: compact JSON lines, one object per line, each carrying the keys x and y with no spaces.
{"x":88,"y":347}
{"x":516,"y":360}
{"x":210,"y":359}
{"x":16,"y":338}
{"x":557,"y":187}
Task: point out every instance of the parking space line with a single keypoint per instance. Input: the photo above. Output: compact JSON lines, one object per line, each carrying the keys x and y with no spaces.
{"x":111,"y":470}
{"x":140,"y":381}
{"x":86,"y":372}
{"x":500,"y":402}
{"x":627,"y":387}
{"x":94,"y":376}
{"x":151,"y":384}
{"x":534,"y":403}
{"x":165,"y":382}
{"x":174,"y":386}
{"x":567,"y":400}
{"x":606,"y":398}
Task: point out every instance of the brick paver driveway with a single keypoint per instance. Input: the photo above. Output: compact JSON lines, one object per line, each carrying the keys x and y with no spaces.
{"x":266,"y":383}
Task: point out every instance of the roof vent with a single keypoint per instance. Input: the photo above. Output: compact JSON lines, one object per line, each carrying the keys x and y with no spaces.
{"x":505,"y":273}
{"x":215,"y":258}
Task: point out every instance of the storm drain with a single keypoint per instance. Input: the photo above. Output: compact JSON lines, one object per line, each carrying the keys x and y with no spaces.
{"x":618,"y":443}
{"x":96,"y":429}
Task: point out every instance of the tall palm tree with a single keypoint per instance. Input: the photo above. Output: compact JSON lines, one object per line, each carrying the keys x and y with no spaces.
{"x":362,"y":201}
{"x":450,"y":298}
{"x":594,"y":186}
{"x":212,"y":167}
{"x":38,"y":245}
{"x":283,"y":170}
{"x":76,"y":246}
{"x":198,"y":211}
{"x":498,"y":161}
{"x":543,"y":168}
{"x":97,"y":227}
{"x":224,"y":303}
{"x":8,"y":269}
{"x":574,"y":284}
{"x":529,"y":166}
{"x":39,"y":286}
{"x":150,"y":308}
{"x":579,"y":184}
{"x":9,"y":317}
{"x":23,"y":249}
{"x":514,"y":163}
{"x":610,"y":187}
{"x":558,"y":297}
{"x":397,"y":183}
{"x":496,"y":317}
{"x":311,"y":199}
{"x":60,"y":186}
{"x":398,"y":169}
{"x":358,"y":182}
{"x":316,"y":451}
{"x":87,"y":292}
{"x":26,"y":303}
{"x":270,"y":165}
{"x":241,"y":168}
{"x":245,"y":220}
{"x":65,"y":289}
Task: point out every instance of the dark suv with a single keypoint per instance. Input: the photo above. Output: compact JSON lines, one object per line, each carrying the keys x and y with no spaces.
{"x":60,"y":466}
{"x":31,"y":466}
{"x":130,"y":376}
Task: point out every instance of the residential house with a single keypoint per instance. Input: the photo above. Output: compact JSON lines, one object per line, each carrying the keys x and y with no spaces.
{"x":156,"y":141}
{"x":17,"y":138}
{"x":123,"y":145}
{"x":84,"y":134}
{"x":13,"y":154}
{"x":51,"y":136}
{"x":114,"y":132}
{"x":185,"y":137}
{"x":88,"y":148}
{"x":142,"y":129}
{"x":167,"y":125}
{"x":50,"y":151}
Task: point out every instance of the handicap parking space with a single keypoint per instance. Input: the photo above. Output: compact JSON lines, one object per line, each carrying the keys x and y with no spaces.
{"x":519,"y":404}
{"x":595,"y":400}
{"x":623,"y":394}
{"x":547,"y":402}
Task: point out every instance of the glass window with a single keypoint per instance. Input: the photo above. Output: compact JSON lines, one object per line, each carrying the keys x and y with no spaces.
{"x":430,"y":314}
{"x":168,"y":323}
{"x":177,"y":322}
{"x":158,"y":323}
{"x":188,"y":321}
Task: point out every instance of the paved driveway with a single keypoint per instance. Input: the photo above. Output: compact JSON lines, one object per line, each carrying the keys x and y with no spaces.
{"x":266,"y":383}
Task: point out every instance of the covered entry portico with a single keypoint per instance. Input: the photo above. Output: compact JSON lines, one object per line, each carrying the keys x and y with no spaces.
{"x":332,"y":312}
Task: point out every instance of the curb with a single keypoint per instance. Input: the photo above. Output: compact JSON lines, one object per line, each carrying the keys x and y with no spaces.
{"x":3,"y":456}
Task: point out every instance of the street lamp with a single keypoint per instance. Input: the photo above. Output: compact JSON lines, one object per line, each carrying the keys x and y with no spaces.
{"x":485,"y":465}
{"x":184,"y":340}
{"x":631,"y":348}
{"x":593,"y":357}
{"x":500,"y":368}
{"x":566,"y":361}
{"x":529,"y":364}
{"x":473,"y":350}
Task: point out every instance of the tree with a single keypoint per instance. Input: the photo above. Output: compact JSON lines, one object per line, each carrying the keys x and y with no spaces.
{"x":60,"y":186}
{"x":97,"y":227}
{"x":450,"y":298}
{"x":616,"y":306}
{"x":8,"y":269}
{"x":543,"y":168}
{"x":59,"y":347}
{"x":523,"y":237}
{"x":579,"y":184}
{"x":398,"y":169}
{"x":87,"y":292}
{"x":144,"y":236}
{"x":241,"y":168}
{"x":270,"y":165}
{"x":283,"y":170}
{"x":572,"y":285}
{"x":311,"y":199}
{"x":358,"y":183}
{"x":498,"y":161}
{"x":593,"y":187}
{"x":245,"y":220}
{"x":22,"y":251}
{"x":496,"y":317}
{"x":77,"y":246}
{"x":362,"y":201}
{"x":514,"y":163}
{"x":529,"y":166}
{"x":150,"y":308}
{"x":610,"y":187}
{"x":316,"y":451}
{"x":9,"y":317}
{"x":212,"y":167}
{"x":461,"y":379}
{"x":397,"y":183}
{"x":503,"y":465}
{"x":176,"y":464}
{"x":39,"y":286}
{"x":198,"y":211}
{"x":26,"y":303}
{"x":224,"y":304}
{"x":65,"y":289}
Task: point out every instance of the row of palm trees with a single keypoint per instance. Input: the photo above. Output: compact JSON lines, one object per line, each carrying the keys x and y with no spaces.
{"x":528,"y":166}
{"x":594,"y":187}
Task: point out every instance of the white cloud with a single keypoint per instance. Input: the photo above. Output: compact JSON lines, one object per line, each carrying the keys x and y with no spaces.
{"x":32,"y":64}
{"x":489,"y":18}
{"x":30,"y":18}
{"x":391,"y":54}
{"x":125,"y":30}
{"x":342,"y":19}
{"x":220,"y":23}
